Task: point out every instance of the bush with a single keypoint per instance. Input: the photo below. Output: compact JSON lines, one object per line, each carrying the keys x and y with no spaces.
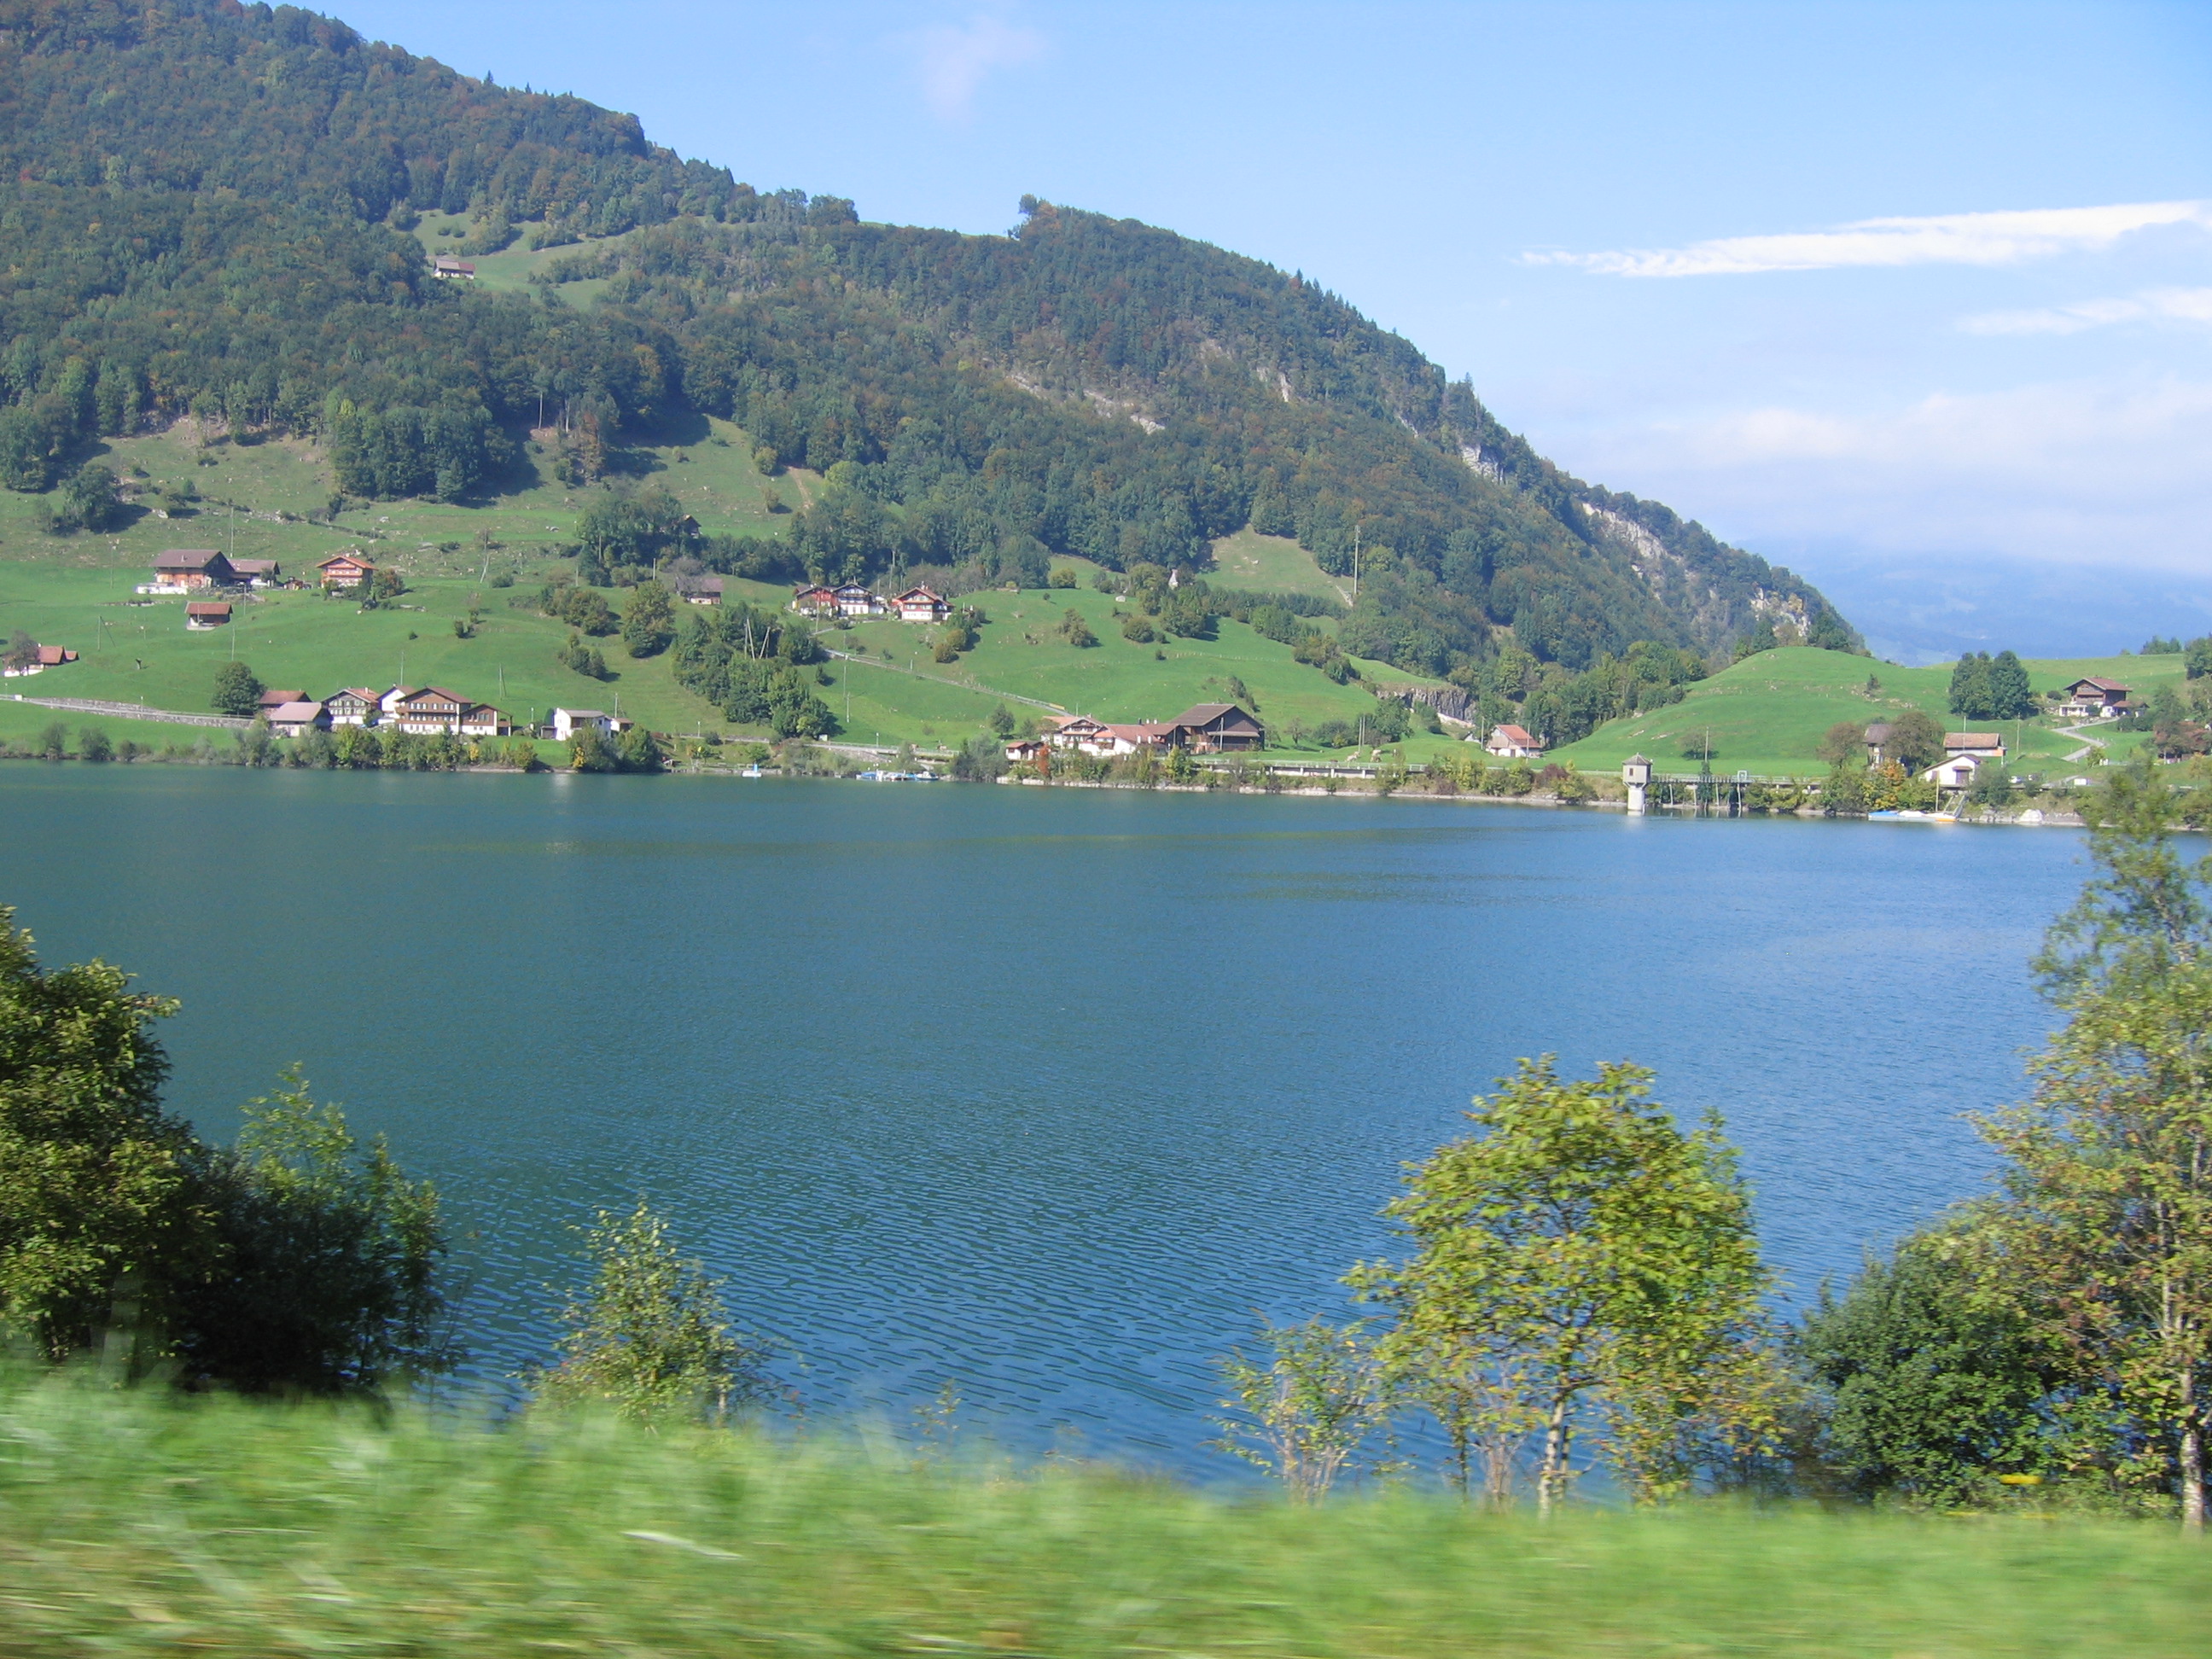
{"x":92,"y":745}
{"x":1076,"y":631}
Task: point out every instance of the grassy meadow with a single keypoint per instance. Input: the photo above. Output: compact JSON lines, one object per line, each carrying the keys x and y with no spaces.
{"x":137,"y":1522}
{"x":1767,"y":714}
{"x":267,"y":501}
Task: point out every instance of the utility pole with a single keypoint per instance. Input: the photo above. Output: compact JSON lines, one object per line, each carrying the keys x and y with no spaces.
{"x":1355,"y":564}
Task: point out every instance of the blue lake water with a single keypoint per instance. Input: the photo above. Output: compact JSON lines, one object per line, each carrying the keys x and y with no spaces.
{"x":1041,"y":1092}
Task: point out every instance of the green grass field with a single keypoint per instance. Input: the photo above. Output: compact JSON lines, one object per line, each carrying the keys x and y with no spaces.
{"x":138,"y":1523}
{"x":1767,"y":714}
{"x":1275,"y":564}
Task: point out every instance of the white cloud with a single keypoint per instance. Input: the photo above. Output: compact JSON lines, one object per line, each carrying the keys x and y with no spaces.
{"x":1967,"y":239}
{"x":2102,"y":472}
{"x":952,"y":60}
{"x":2158,"y":305}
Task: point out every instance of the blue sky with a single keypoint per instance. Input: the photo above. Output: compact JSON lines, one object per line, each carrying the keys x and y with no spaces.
{"x":1915,"y":298}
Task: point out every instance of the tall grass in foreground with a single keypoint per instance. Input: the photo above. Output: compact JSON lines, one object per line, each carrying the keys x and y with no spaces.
{"x":135,"y":1522}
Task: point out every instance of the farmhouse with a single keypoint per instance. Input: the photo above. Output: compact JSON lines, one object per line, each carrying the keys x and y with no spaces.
{"x":1877,"y":738}
{"x":354,"y":705}
{"x":2092,"y":698}
{"x":206,"y":613}
{"x":1982,"y":745}
{"x":1209,"y":726}
{"x":290,"y":719}
{"x":182,"y":570}
{"x":445,"y":268}
{"x":1075,"y":731}
{"x":1514,"y":743}
{"x":481,"y":720}
{"x":345,"y":570}
{"x":700,"y":590}
{"x":855,"y":600}
{"x":1029,"y":751}
{"x":567,"y":722}
{"x":53,"y":656}
{"x":257,"y":573}
{"x":36,"y":660}
{"x":921,"y":604}
{"x":815,"y":600}
{"x":271,"y":700}
{"x":1129,"y":740}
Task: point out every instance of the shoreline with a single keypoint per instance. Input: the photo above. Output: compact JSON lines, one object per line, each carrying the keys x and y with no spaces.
{"x":2050,"y":818}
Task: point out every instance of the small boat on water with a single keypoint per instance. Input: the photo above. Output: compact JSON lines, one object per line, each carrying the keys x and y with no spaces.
{"x":751,"y":772}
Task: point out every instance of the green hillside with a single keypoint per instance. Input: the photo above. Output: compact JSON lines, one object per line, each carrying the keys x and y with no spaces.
{"x":1767,"y":714}
{"x":242,"y":244}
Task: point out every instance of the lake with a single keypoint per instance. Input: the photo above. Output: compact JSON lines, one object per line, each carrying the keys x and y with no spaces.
{"x":1044,"y":1093}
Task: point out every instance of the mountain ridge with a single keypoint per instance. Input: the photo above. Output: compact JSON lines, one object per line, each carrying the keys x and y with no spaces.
{"x":1082,"y":385}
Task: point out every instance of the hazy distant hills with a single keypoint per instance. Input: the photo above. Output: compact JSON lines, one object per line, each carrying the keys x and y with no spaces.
{"x":210,"y":214}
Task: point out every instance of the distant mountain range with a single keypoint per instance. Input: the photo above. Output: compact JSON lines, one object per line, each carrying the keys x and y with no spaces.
{"x":211,"y":211}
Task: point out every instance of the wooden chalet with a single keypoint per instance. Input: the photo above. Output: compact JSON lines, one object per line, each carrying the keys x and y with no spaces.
{"x":1075,"y":731}
{"x":354,"y":705}
{"x":921,"y":604}
{"x":855,"y":600}
{"x":345,"y":570}
{"x":1208,"y":727}
{"x":699,"y":590}
{"x":257,"y":573}
{"x":427,"y":710}
{"x":2094,"y":698}
{"x":186,"y":569}
{"x":273,"y":699}
{"x":815,"y":600}
{"x":447,"y":269}
{"x":53,"y":656}
{"x":206,"y":613}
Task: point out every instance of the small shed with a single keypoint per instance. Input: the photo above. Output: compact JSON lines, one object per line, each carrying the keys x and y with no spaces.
{"x":206,"y":613}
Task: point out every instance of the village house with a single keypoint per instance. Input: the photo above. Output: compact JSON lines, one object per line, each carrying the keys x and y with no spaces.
{"x":446,"y":268}
{"x":1074,"y":731}
{"x":567,"y":722}
{"x":1514,"y":743}
{"x":427,"y":710}
{"x":1029,"y":751}
{"x":206,"y":613}
{"x":481,"y":720}
{"x":2092,"y":699}
{"x":855,"y":600}
{"x":1877,"y":738}
{"x":292,"y":718}
{"x":391,"y":699}
{"x":921,"y":604}
{"x":273,"y":700}
{"x":190,"y":570}
{"x":1207,"y":727}
{"x":354,"y":705}
{"x":42,"y":657}
{"x":1981,"y":745}
{"x":345,"y":570}
{"x":257,"y":573}
{"x":815,"y":600}
{"x":1955,"y":772}
{"x":699,"y":590}
{"x":1144,"y":735}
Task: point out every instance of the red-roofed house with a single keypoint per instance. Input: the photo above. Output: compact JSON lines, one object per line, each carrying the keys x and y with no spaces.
{"x":921,"y":604}
{"x":290,"y":719}
{"x":1513,"y":743}
{"x":345,"y":570}
{"x":2092,"y":698}
{"x":206,"y":613}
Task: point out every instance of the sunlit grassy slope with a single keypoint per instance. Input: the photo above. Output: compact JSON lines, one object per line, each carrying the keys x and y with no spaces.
{"x":133,"y":1524}
{"x":1766,"y":714}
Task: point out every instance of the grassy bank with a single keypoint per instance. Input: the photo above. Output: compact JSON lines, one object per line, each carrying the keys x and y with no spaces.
{"x":1767,"y":714}
{"x":130,"y":1524}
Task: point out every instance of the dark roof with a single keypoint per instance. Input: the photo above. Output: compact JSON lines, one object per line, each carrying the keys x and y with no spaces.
{"x":1206,"y":713}
{"x":1878,"y":732}
{"x":187,"y":558}
{"x":2102,"y":684}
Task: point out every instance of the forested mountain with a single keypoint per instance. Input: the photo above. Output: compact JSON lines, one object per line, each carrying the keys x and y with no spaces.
{"x":208,"y":214}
